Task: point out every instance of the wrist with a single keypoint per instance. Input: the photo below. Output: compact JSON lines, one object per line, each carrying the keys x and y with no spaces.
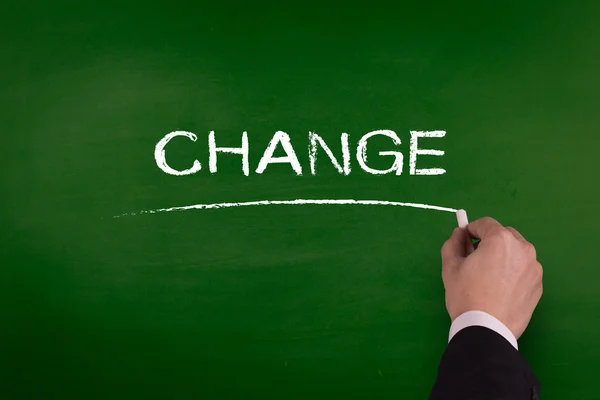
{"x":481,"y":318}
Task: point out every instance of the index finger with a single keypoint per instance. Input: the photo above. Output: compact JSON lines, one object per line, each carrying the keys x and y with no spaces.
{"x":454,"y":249}
{"x":483,"y":227}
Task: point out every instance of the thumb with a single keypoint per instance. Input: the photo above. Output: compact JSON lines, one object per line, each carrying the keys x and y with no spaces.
{"x":483,"y":227}
{"x":455,"y":249}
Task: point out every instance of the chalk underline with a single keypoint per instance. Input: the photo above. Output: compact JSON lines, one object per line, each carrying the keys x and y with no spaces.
{"x":290,"y":202}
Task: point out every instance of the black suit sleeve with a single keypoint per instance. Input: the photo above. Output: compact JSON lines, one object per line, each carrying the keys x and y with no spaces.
{"x":481,"y":364}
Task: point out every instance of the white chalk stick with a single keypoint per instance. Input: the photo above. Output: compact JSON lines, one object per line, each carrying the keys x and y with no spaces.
{"x":461,"y":217}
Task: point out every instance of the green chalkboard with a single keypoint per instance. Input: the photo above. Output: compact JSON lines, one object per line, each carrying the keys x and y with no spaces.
{"x":98,"y":300}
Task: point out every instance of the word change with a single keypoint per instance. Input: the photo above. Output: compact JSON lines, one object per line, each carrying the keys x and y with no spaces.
{"x":316,"y":144}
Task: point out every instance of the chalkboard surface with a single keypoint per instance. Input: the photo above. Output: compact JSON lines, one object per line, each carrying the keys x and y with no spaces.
{"x":284,"y":301}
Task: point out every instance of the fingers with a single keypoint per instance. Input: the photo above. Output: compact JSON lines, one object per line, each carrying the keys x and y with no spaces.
{"x":483,"y":227}
{"x":455,"y":249}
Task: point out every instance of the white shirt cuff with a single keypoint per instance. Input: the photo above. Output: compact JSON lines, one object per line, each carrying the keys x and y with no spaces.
{"x":480,"y":318}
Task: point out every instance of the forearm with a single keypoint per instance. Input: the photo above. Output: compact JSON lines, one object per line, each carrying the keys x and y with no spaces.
{"x":479,"y":363}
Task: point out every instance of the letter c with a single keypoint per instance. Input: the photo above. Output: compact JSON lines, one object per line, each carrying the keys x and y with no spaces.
{"x":159,"y":154}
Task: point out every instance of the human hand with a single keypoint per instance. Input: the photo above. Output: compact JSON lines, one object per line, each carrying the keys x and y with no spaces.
{"x":502,"y":277}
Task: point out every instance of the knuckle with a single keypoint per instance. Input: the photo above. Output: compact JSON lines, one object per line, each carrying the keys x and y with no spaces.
{"x":445,"y":247}
{"x":445,"y":273}
{"x":537,"y":272}
{"x":530,"y":250}
{"x":503,"y":234}
{"x":487,"y":220}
